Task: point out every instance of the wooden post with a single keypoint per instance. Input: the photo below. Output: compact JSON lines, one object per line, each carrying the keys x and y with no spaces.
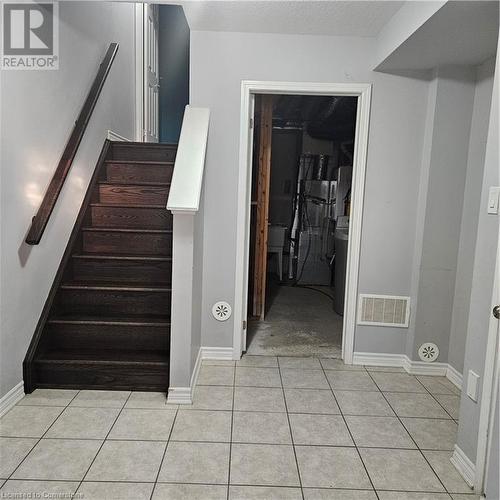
{"x":263,"y":182}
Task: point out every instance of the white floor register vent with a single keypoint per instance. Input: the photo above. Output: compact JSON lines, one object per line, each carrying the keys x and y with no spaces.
{"x":428,"y":352}
{"x":384,"y":310}
{"x":221,"y":311}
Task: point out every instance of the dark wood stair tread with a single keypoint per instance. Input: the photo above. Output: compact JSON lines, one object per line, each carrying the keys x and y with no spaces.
{"x":140,"y":162}
{"x":145,"y":258}
{"x":127,"y":205}
{"x":136,"y":287}
{"x":108,"y":356}
{"x":133,"y":183}
{"x":126,"y":230}
{"x":111,"y":320}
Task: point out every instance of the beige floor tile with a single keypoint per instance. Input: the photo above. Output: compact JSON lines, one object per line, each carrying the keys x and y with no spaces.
{"x":211,"y":397}
{"x":265,"y":465}
{"x":218,"y":362}
{"x":319,"y":430}
{"x":452,"y":480}
{"x":196,"y":463}
{"x":363,"y":403}
{"x":415,"y":405}
{"x":351,"y":381}
{"x":143,"y":424}
{"x":48,"y":397}
{"x":257,"y":377}
{"x":381,"y":432}
{"x":58,"y":459}
{"x":263,"y":493}
{"x":216,"y":375}
{"x":403,"y":470}
{"x":38,"y":489}
{"x":12,"y":452}
{"x":115,"y":491}
{"x":432,"y":434}
{"x":328,"y":467}
{"x":137,"y":461}
{"x":303,"y":379}
{"x":261,"y":427}
{"x":338,"y":364}
{"x":28,"y":421}
{"x":100,"y":399}
{"x":397,"y":382}
{"x":463,"y":496}
{"x":258,"y":361}
{"x":268,"y":399}
{"x":83,"y":423}
{"x":438,"y":385}
{"x":202,"y":425}
{"x":154,"y":400}
{"x":311,"y":401}
{"x":190,"y":492}
{"x":299,"y":362}
{"x":405,"y":495}
{"x":451,"y":403}
{"x":329,"y":494}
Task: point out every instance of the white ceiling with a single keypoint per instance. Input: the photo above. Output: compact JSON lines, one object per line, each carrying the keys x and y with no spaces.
{"x":460,"y":33}
{"x":311,"y":17}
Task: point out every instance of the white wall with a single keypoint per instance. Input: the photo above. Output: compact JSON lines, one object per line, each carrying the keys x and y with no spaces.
{"x":440,"y":206}
{"x":219,"y":61}
{"x":38,"y":110}
{"x":482,"y":282}
{"x":470,"y":213}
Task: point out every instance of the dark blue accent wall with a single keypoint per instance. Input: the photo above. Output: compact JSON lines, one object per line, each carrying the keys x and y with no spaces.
{"x":173,"y":52}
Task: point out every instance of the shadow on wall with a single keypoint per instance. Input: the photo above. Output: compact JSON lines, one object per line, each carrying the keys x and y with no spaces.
{"x":173,"y":51}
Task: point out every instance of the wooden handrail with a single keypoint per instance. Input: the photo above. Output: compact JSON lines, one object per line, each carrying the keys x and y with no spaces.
{"x":41,"y":218}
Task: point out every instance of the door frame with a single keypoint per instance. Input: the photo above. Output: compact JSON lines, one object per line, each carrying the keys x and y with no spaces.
{"x":140,"y":46}
{"x":249,"y":88}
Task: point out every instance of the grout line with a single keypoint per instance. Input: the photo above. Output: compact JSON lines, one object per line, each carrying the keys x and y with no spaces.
{"x":352,"y":437}
{"x":164,"y":453}
{"x":231,"y":436}
{"x":42,"y":436}
{"x":411,"y":437}
{"x":291,"y":433}
{"x":104,"y":440}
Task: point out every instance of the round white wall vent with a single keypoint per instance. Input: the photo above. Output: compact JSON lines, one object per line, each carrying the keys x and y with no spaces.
{"x":221,"y":311}
{"x":428,"y":352}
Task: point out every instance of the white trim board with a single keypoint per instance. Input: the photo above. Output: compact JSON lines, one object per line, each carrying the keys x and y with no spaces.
{"x":113,"y":136}
{"x":184,"y":395}
{"x":463,"y":465}
{"x":248,"y":91}
{"x":412,"y":367}
{"x":11,"y":398}
{"x":219,"y":353}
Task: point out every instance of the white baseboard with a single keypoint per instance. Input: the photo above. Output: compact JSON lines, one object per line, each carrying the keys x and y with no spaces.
{"x":454,"y":376}
{"x":11,"y":398}
{"x":217,"y":353}
{"x":463,"y":465}
{"x":412,"y":367}
{"x":184,"y":395}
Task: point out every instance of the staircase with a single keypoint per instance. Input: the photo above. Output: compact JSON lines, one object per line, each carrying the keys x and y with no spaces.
{"x":106,"y":323}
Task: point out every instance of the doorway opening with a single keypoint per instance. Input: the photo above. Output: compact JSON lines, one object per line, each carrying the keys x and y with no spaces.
{"x":303,"y":149}
{"x":245,"y":271}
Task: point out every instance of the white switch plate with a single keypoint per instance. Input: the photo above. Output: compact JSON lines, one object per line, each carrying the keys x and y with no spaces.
{"x":493,"y":200}
{"x":472,"y":385}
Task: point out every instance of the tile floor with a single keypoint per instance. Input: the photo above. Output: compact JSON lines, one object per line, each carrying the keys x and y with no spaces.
{"x":263,"y":428}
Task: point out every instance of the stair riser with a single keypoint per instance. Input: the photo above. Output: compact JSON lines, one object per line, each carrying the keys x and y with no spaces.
{"x":113,"y":302}
{"x":109,"y":376}
{"x":128,"y":243}
{"x":141,"y":152}
{"x":141,"y":195}
{"x":127,"y":337}
{"x":130,"y":218}
{"x":125,"y":172}
{"x":122,"y":271}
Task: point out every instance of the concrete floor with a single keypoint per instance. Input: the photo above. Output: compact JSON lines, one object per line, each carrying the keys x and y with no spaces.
{"x":299,"y":322}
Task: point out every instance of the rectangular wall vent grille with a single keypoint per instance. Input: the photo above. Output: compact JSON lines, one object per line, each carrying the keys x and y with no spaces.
{"x":384,"y":310}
